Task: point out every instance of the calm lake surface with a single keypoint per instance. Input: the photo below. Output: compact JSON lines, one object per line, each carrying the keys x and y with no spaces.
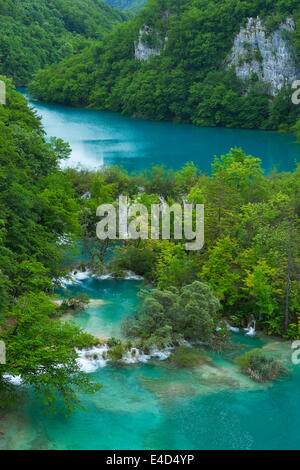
{"x":154,"y":405}
{"x":102,"y":137}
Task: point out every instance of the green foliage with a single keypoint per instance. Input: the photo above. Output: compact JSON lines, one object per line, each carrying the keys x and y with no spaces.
{"x":296,"y":129}
{"x":138,"y":259}
{"x":78,"y":302}
{"x":251,"y":256}
{"x":36,"y":33}
{"x":127,"y":5}
{"x":116,"y":352}
{"x":168,"y":316}
{"x":174,"y":266}
{"x":42,"y":351}
{"x":259,"y":366}
{"x":112,"y":342}
{"x":184,"y":356}
{"x":38,"y":208}
{"x":187,"y":82}
{"x":220,"y":270}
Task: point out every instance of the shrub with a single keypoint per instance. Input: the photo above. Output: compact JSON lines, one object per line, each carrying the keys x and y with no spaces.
{"x":259,"y":366}
{"x":116,"y":353}
{"x":167,"y":316}
{"x":78,"y":302}
{"x":112,"y":342}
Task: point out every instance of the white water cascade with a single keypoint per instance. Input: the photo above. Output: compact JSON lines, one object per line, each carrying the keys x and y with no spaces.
{"x":90,"y":360}
{"x":224,"y":323}
{"x":250,"y":330}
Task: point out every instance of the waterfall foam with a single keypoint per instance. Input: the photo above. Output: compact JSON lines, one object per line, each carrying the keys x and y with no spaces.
{"x":225,"y":323}
{"x":89,"y":360}
{"x":250,"y":330}
{"x":129,"y":276}
{"x":78,"y":276}
{"x":13,"y":379}
{"x":75,"y":277}
{"x":134,"y":356}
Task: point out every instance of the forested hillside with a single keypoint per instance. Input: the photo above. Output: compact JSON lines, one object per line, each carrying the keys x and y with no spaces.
{"x":172,"y":62}
{"x":127,"y":5}
{"x":37,"y":208}
{"x":36,"y":33}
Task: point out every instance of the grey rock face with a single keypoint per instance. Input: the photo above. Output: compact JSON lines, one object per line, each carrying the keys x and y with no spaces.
{"x":144,"y":52}
{"x":268,"y":55}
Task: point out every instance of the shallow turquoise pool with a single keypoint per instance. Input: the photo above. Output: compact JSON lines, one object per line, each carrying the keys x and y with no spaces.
{"x":156,"y":406}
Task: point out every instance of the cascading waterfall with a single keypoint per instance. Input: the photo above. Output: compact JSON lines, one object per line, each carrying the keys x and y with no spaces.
{"x":224,"y":323}
{"x":89,"y":360}
{"x":77,"y":276}
{"x":250,"y":330}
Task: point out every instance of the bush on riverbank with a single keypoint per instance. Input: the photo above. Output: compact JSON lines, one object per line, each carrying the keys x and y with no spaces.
{"x":260,"y":367}
{"x":168,"y":316}
{"x":78,"y":302}
{"x":116,"y":352}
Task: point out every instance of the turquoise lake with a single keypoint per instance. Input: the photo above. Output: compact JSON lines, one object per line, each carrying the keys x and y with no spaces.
{"x":102,"y":137}
{"x":155,"y":405}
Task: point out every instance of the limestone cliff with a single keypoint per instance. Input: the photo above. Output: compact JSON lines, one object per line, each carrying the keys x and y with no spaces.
{"x":143,"y":49}
{"x":269,"y":55}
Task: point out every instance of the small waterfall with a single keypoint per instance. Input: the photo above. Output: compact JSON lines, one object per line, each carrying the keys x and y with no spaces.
{"x":90,"y":360}
{"x":134,"y":356}
{"x":13,"y":379}
{"x":224,"y":323}
{"x":250,"y":330}
{"x":75,"y":277}
{"x":128,"y":276}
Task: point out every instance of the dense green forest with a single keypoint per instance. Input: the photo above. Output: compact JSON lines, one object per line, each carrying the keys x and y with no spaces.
{"x":250,"y":261}
{"x":37,"y":208}
{"x":188,"y":81}
{"x":36,"y":33}
{"x":127,"y":5}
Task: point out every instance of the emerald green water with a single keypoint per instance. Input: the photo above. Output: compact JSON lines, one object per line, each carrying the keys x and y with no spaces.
{"x":118,"y":299}
{"x":155,"y":405}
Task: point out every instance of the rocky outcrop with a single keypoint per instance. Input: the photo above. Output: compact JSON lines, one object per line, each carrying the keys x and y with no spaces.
{"x":269,"y":55}
{"x":142,"y":50}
